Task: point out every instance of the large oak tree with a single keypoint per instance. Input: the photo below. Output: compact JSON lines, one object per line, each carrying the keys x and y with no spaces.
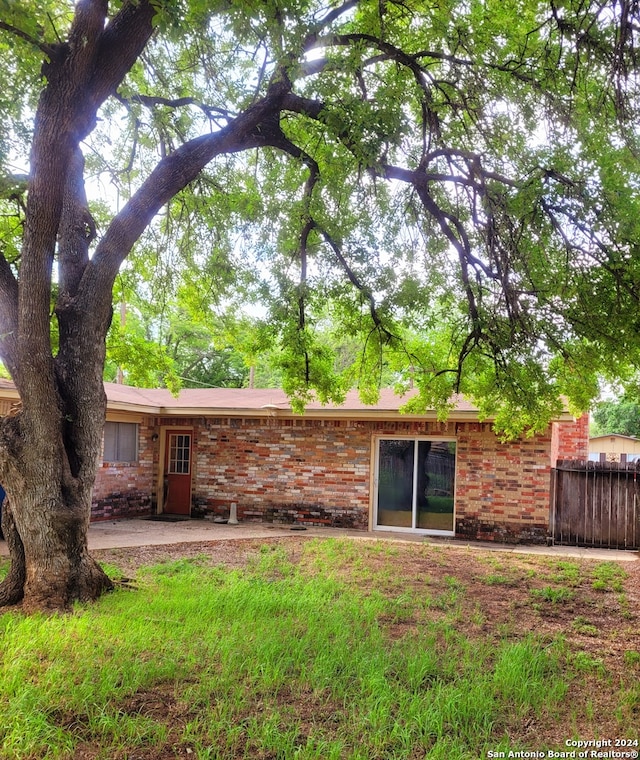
{"x":457,"y":178}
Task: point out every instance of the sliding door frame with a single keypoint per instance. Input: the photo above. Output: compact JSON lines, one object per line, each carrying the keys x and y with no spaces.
{"x":376,"y":480}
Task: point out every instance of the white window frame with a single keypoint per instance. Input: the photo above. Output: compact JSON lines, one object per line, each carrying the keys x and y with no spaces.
{"x":119,"y":442}
{"x":376,"y":480}
{"x":173,"y":461}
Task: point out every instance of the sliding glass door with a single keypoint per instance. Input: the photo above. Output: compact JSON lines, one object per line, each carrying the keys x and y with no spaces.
{"x":415,"y":485}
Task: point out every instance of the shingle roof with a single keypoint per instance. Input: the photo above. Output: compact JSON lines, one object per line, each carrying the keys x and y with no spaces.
{"x":253,"y":402}
{"x":263,"y":401}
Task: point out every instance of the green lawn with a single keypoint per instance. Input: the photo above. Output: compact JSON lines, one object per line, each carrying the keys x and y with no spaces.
{"x":326,"y":649}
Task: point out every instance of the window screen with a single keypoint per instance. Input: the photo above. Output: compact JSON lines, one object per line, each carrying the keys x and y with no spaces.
{"x":120,"y":442}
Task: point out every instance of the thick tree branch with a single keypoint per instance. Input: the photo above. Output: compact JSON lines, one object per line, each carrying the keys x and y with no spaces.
{"x":410,"y":60}
{"x":211,"y":112}
{"x":120,"y":46}
{"x":52,"y":146}
{"x":77,"y":229}
{"x":304,"y":106}
{"x":8,"y":315}
{"x":48,"y":50}
{"x":84,"y":72}
{"x":170,"y":176}
{"x":332,"y":16}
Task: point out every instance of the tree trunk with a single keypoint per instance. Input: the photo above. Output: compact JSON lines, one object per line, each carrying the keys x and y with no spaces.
{"x":54,"y":569}
{"x":49,"y":451}
{"x":45,"y":522}
{"x":58,"y":569}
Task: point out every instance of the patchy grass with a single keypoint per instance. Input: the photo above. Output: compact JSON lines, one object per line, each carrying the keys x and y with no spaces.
{"x":608,"y":576}
{"x":335,"y":648}
{"x":553,"y":595}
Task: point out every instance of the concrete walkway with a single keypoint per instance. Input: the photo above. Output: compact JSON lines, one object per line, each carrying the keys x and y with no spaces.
{"x":113,"y":534}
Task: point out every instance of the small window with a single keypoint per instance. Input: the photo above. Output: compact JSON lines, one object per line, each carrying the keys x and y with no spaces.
{"x":120,"y":442}
{"x":179,"y":454}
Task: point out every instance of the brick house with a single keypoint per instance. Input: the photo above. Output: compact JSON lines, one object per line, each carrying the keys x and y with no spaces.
{"x":351,"y":466}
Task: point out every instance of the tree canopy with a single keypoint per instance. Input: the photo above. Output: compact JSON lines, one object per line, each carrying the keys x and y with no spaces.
{"x":457,"y":180}
{"x":621,"y":417}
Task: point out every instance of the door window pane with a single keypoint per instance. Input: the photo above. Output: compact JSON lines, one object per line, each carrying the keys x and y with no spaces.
{"x":395,"y":483}
{"x":435,"y":484}
{"x":179,"y":454}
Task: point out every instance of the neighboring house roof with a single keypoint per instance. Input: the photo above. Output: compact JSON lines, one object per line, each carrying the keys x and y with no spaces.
{"x":259,"y":402}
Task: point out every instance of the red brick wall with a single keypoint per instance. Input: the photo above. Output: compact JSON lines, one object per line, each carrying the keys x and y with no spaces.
{"x":570,"y":440}
{"x":502,"y":489}
{"x":126,"y":489}
{"x":285,"y":470}
{"x":319,"y":472}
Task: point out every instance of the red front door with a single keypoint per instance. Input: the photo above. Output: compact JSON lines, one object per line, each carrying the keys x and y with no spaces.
{"x":177,"y":473}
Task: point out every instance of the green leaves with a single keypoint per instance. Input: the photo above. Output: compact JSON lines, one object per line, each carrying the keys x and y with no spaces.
{"x":145,"y":363}
{"x":450,"y":187}
{"x":621,"y":417}
{"x":509,"y":274}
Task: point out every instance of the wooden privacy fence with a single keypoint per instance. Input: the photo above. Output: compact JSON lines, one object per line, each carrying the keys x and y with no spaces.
{"x":596,"y":504}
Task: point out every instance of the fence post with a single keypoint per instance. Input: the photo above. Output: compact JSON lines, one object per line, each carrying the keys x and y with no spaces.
{"x":552,"y":506}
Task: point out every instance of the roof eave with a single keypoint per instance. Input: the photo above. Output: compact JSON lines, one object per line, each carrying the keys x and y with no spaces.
{"x":467,"y":415}
{"x":127,"y":406}
{"x":279,"y":413}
